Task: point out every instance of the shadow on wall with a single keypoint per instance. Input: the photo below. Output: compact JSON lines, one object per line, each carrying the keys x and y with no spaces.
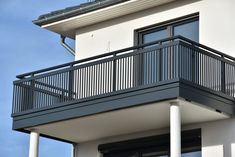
{"x":134,"y":16}
{"x":218,"y":138}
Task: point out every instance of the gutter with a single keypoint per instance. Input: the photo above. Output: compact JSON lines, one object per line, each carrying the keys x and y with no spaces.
{"x":49,"y":18}
{"x":66,"y":46}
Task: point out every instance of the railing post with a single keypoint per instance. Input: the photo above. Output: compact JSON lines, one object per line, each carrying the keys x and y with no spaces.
{"x":223,"y":89}
{"x":114,"y":72}
{"x":178,"y":61}
{"x":140,"y":69}
{"x":193,"y":65}
{"x":31,"y":93}
{"x":160,"y":63}
{"x":71,"y":83}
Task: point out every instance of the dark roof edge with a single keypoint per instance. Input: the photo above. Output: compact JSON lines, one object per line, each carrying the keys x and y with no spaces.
{"x":75,"y":11}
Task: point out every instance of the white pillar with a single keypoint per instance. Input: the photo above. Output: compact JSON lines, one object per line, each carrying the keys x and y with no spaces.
{"x":74,"y":149}
{"x":33,"y":144}
{"x":175,"y":129}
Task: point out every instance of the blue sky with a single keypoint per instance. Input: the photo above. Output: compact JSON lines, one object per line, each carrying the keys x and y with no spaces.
{"x":25,"y":47}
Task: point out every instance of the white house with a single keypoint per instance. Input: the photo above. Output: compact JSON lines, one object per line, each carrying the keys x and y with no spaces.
{"x":152,"y":78}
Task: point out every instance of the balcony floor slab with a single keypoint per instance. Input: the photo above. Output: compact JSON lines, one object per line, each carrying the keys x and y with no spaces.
{"x":127,"y":121}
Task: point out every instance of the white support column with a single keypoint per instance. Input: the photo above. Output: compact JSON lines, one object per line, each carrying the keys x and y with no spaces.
{"x":33,"y":145}
{"x":175,"y":129}
{"x":74,"y":150}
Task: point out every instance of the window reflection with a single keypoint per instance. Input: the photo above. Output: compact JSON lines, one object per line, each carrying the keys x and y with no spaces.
{"x":192,"y":154}
{"x":189,"y":30}
{"x":155,"y":154}
{"x":154,"y":36}
{"x":158,"y":63}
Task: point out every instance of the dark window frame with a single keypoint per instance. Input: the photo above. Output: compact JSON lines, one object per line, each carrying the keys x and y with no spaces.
{"x":190,"y":142}
{"x":169,"y":25}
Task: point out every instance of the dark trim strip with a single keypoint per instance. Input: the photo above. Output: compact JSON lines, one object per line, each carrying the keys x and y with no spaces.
{"x":171,"y":90}
{"x":110,"y":103}
{"x":108,"y":96}
{"x":190,"y":138}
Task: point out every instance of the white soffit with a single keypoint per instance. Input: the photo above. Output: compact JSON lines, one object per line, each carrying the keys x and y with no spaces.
{"x":127,"y":121}
{"x":68,"y":26}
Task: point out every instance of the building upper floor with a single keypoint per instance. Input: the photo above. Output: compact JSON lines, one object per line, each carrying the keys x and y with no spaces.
{"x":132,"y":53}
{"x":110,"y":25}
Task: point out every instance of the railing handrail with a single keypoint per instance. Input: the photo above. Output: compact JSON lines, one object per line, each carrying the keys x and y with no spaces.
{"x":115,"y":57}
{"x":130,"y":68}
{"x":207,"y":48}
{"x":70,"y":64}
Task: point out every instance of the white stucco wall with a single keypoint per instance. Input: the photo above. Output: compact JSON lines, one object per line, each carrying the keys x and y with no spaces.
{"x":216,"y":27}
{"x":217,"y":30}
{"x":218,"y":139}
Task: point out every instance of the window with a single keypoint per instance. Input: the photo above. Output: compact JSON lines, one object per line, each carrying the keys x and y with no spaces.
{"x":155,"y":35}
{"x":187,"y":26}
{"x":188,"y":29}
{"x":156,"y":146}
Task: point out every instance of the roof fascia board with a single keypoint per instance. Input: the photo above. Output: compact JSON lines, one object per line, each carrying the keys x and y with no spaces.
{"x":85,"y":14}
{"x":76,"y":12}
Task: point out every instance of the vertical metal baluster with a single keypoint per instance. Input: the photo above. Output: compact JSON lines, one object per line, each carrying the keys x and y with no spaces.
{"x":223,"y":76}
{"x":105,"y":77}
{"x":123,"y":73}
{"x":96,"y":79}
{"x":86,"y":82}
{"x":117,"y":75}
{"x":160,"y":62}
{"x":100,"y":81}
{"x":110,"y":77}
{"x":102,"y":78}
{"x":64,"y":86}
{"x":70,"y":83}
{"x":79,"y":87}
{"x":91,"y":79}
{"x":82,"y":82}
{"x":50,"y":90}
{"x":31,"y":96}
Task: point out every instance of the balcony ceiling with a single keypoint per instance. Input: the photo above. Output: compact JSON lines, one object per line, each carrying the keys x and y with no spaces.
{"x":68,"y":26}
{"x":127,"y":121}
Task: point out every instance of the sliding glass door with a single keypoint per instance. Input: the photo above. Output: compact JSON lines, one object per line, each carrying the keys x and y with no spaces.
{"x":159,"y":63}
{"x":155,"y":146}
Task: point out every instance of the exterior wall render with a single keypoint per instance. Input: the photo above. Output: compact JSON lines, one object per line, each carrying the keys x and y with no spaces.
{"x":216,"y":27}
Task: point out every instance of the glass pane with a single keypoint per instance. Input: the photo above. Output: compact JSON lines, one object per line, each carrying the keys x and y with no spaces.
{"x":192,"y":154}
{"x":188,"y":30}
{"x":150,"y":59}
{"x":154,"y":36}
{"x":155,"y":154}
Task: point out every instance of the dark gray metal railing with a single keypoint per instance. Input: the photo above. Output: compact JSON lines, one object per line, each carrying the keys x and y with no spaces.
{"x":137,"y":66}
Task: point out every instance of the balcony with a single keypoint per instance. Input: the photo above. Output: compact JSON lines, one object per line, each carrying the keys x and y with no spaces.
{"x":167,"y":69}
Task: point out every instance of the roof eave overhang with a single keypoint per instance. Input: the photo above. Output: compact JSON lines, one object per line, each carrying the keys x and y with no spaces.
{"x":47,"y":19}
{"x":67,"y":25}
